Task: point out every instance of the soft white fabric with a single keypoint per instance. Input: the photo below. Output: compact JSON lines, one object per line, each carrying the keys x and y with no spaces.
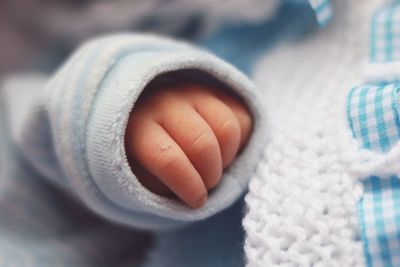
{"x":377,"y":72}
{"x":72,"y":127}
{"x":302,"y":201}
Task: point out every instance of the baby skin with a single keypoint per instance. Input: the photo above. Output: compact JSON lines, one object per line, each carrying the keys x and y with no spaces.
{"x":180,"y":138}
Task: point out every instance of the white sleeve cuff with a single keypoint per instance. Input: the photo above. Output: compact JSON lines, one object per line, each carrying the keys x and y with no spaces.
{"x":114,"y":72}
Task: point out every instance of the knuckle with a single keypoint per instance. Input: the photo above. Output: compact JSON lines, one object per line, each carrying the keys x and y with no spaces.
{"x":166,"y":157}
{"x":203,"y":144}
{"x":230,"y":129}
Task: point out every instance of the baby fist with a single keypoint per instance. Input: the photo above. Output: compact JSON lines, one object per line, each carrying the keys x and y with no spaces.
{"x":180,"y":138}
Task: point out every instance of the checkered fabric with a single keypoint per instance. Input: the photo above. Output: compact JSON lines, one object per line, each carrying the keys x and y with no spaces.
{"x":323,"y":11}
{"x":374,"y":120}
{"x":385,"y":33}
{"x":379,"y":214}
{"x":373,"y":115}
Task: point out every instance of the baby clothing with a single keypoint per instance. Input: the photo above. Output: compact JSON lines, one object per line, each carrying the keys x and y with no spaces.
{"x":327,"y":193}
{"x":68,"y":197}
{"x":373,"y":114}
{"x":70,"y":130}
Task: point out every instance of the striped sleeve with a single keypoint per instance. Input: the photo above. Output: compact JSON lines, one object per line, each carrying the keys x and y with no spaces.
{"x":77,"y":123}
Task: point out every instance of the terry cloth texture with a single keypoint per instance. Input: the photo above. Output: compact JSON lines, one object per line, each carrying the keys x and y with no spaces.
{"x":82,"y":112}
{"x":63,"y":159}
{"x":303,"y":196}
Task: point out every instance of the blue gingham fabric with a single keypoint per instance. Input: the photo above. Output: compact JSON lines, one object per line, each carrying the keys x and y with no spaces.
{"x":323,"y":11}
{"x":385,"y":33}
{"x":379,"y":215}
{"x":373,"y":115}
{"x":372,"y":112}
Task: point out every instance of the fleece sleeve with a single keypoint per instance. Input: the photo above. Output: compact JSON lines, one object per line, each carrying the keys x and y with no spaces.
{"x":72,"y":126}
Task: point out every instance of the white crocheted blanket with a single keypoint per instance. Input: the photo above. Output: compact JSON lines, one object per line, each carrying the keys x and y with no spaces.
{"x":302,"y":201}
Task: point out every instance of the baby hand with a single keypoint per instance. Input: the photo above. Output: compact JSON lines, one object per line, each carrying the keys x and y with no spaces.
{"x":180,"y":138}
